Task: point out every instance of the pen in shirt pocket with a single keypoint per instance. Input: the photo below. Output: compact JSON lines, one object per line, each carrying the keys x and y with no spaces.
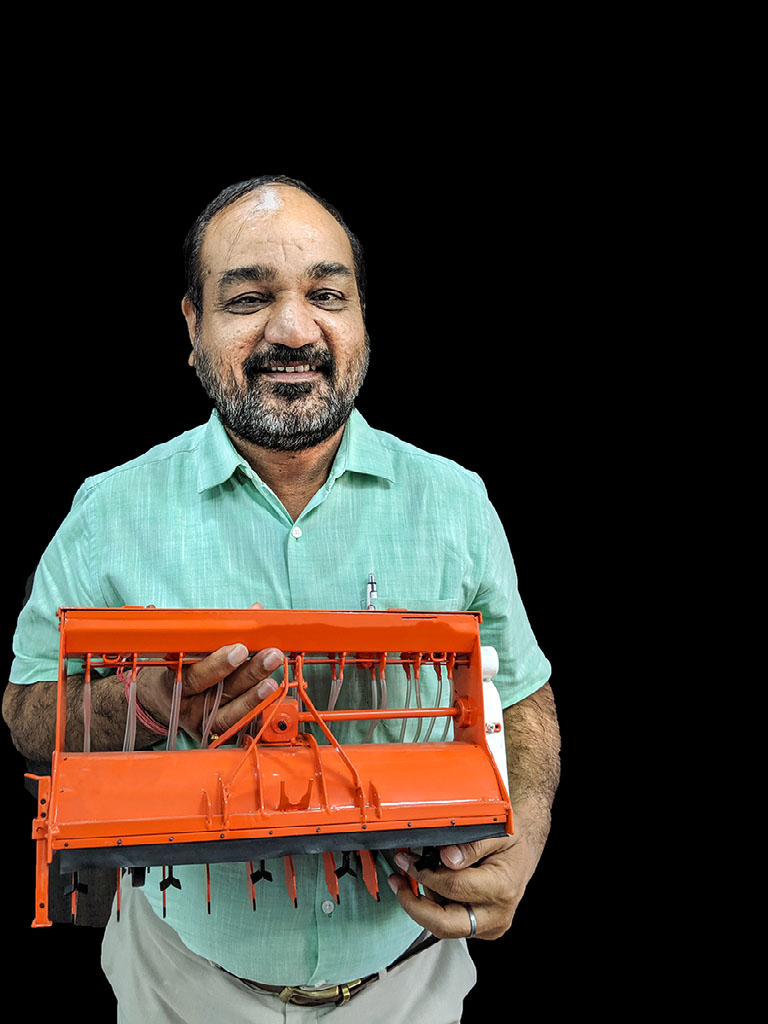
{"x":370,"y":593}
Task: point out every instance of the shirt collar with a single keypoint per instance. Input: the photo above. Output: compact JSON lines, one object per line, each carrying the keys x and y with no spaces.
{"x":217,"y":456}
{"x":360,"y":451}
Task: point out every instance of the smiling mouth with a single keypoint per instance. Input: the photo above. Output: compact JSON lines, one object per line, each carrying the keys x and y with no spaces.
{"x":278,"y":364}
{"x":291,"y":368}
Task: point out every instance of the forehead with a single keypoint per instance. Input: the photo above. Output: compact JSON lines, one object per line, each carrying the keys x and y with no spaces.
{"x":279,"y":225}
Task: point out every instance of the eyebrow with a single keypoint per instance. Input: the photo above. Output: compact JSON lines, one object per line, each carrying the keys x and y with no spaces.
{"x":258,"y":272}
{"x":323,"y":269}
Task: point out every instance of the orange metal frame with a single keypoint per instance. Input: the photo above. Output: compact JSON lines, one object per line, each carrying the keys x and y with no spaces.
{"x":267,"y":788}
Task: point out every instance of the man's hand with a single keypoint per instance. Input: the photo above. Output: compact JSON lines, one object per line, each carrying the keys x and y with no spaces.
{"x":246,"y":684}
{"x":490,"y":875}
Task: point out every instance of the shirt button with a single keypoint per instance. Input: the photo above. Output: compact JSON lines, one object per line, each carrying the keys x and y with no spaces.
{"x":296,"y":532}
{"x":327,"y":906}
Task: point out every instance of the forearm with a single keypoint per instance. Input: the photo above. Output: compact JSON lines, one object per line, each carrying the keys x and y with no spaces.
{"x":30,"y":713}
{"x":533,"y":763}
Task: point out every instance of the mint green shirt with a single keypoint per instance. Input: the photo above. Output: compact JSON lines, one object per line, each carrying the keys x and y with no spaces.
{"x":190,"y":525}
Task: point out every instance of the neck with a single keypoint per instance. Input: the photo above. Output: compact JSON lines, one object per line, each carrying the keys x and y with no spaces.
{"x":295,"y":477}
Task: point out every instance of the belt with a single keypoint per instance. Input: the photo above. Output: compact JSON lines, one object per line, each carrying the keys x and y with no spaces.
{"x":336,"y":994}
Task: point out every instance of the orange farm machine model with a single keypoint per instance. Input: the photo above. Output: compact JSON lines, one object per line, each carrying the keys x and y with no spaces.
{"x":279,"y":783}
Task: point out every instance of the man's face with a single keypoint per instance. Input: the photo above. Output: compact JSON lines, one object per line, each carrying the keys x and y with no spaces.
{"x":280,"y":347}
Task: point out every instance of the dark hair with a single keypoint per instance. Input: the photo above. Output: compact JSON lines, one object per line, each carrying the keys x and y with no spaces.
{"x":193,"y":243}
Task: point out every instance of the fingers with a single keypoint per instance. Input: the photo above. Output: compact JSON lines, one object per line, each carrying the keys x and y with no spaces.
{"x":448,"y":921}
{"x":472,"y":871}
{"x":484,"y":875}
{"x":466,"y":854}
{"x":452,"y":885}
{"x":231,"y":663}
{"x":231,"y":713}
{"x":251,"y":672}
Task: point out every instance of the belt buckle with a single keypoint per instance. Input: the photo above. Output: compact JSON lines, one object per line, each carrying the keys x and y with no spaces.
{"x":338,"y":993}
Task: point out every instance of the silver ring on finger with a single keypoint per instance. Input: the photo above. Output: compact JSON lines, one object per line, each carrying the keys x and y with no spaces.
{"x":472,"y":921}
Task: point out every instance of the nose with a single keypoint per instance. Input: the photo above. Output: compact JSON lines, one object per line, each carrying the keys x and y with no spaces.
{"x":291,"y":323}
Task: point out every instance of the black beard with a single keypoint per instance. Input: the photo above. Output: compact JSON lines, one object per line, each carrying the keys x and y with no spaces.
{"x":247,"y":413}
{"x":290,"y":392}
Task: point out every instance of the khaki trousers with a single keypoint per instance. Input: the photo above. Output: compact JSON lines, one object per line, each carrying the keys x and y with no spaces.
{"x":157,"y":980}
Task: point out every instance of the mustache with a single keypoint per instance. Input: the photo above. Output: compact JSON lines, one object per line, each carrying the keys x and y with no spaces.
{"x":258,"y":362}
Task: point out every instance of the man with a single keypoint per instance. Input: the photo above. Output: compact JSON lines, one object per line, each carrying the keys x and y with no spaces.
{"x":287,"y":498}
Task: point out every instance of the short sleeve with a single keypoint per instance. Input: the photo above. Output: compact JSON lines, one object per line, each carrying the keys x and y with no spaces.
{"x":63,"y":578}
{"x":523,"y":667}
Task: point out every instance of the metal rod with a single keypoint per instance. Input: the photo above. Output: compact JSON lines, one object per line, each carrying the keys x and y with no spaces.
{"x":345,"y":660}
{"x":350,"y":716}
{"x":87,"y":706}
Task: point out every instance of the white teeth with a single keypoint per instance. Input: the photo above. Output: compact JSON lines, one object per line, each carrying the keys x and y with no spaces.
{"x":306,"y":368}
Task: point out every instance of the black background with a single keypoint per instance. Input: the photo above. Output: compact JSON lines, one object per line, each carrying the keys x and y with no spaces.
{"x":492,"y":344}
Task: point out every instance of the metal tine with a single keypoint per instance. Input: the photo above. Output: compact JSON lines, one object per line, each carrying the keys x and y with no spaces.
{"x":75,"y":887}
{"x":290,"y":880}
{"x":251,"y":886}
{"x":168,"y":880}
{"x":261,"y":873}
{"x":370,"y":876}
{"x":345,"y":868}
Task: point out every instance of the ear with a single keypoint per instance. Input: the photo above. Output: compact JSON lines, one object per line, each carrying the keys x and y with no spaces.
{"x":190,"y":316}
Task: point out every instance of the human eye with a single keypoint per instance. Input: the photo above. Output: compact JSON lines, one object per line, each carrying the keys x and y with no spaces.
{"x":248,"y":302}
{"x":328,"y":298}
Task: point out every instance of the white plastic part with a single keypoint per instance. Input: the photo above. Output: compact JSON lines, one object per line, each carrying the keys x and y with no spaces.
{"x":494,"y":717}
{"x":489,"y":662}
